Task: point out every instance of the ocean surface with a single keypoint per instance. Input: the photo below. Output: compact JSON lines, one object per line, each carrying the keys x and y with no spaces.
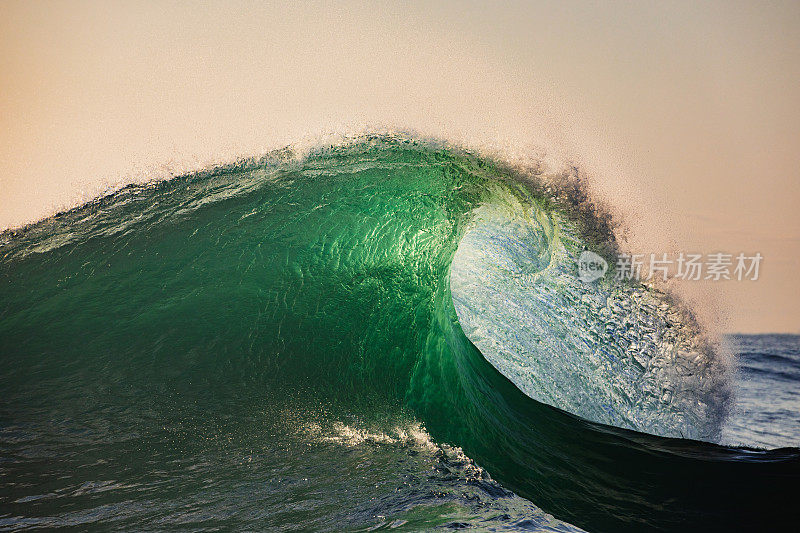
{"x":381,"y":334}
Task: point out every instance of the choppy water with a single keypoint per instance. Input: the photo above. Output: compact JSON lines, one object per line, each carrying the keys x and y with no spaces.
{"x":383,"y":334}
{"x":767,"y":389}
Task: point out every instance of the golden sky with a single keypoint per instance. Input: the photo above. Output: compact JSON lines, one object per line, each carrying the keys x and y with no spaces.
{"x":685,"y":114}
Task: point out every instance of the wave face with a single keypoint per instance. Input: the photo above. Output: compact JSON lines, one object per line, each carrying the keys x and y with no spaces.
{"x":610,"y":352}
{"x":378,"y":284}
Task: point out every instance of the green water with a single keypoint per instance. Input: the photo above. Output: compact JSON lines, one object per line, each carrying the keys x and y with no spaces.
{"x":274,"y":345}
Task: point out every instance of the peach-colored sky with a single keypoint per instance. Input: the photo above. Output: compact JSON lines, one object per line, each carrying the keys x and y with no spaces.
{"x":687,"y":115}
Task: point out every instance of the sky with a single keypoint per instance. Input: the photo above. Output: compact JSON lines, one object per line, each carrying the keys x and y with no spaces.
{"x":685,"y":116}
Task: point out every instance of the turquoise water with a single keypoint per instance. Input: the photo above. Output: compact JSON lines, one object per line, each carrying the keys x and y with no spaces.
{"x":382,"y":334}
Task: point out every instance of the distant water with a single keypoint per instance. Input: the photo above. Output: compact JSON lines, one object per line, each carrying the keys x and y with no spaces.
{"x":384,"y":334}
{"x":767,"y":391}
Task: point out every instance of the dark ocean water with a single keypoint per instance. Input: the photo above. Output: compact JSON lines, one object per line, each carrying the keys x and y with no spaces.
{"x":767,"y":389}
{"x":381,"y":335}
